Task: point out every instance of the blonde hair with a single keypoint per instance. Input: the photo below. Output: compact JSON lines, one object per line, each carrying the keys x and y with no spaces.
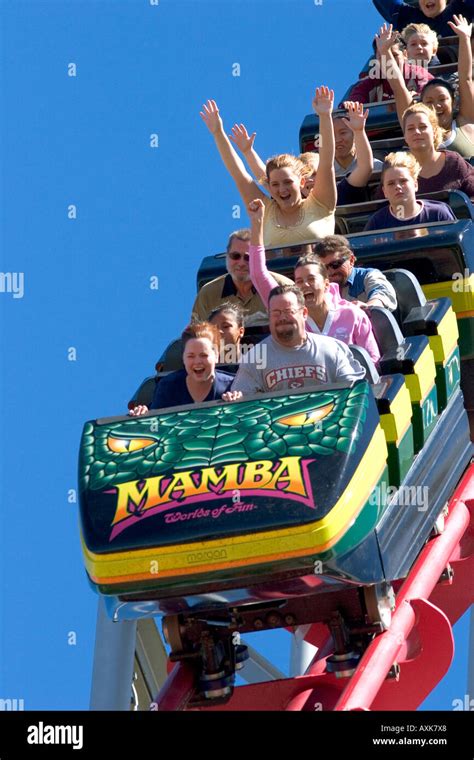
{"x":310,"y":161}
{"x":432,"y":118}
{"x":286,"y":161}
{"x":403,"y":160}
{"x":412,"y":29}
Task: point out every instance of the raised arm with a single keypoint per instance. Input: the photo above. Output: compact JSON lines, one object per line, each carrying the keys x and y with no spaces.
{"x":386,"y":39}
{"x":247,"y":188}
{"x":261,"y":278}
{"x":365,"y":158}
{"x":245,"y":143}
{"x":463,"y":29}
{"x":324,"y":189}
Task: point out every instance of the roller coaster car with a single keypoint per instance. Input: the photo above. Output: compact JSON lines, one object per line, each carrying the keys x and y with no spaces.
{"x":282,"y":509}
{"x":273,"y":511}
{"x":215,"y":506}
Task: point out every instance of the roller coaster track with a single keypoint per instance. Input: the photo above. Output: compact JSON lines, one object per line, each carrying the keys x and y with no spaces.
{"x":402,"y":665}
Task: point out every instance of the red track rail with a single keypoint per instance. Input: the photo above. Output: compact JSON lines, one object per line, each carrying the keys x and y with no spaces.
{"x":419,"y":639}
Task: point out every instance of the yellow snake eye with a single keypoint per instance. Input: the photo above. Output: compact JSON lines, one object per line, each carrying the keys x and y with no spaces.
{"x":127,"y":445}
{"x":307,"y":418}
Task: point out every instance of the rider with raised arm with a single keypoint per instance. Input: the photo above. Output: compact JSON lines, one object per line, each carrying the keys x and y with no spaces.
{"x":376,"y":85}
{"x":352,"y":140}
{"x":353,"y":162}
{"x":294,"y":358}
{"x":289,"y":217}
{"x":342,"y":321}
{"x":438,"y":94}
{"x":246,"y":144}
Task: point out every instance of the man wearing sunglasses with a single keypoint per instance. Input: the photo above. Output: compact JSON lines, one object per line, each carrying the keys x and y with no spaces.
{"x":294,"y":359}
{"x":235,"y":286}
{"x":367,"y":286}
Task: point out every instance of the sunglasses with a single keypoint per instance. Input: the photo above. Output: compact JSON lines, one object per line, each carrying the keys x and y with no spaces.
{"x":336,"y":264}
{"x":235,"y":256}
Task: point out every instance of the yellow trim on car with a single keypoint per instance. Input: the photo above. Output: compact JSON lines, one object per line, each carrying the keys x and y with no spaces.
{"x":444,"y":343}
{"x":234,"y":551}
{"x":396,"y":423}
{"x":459,"y":291}
{"x":420,"y":382}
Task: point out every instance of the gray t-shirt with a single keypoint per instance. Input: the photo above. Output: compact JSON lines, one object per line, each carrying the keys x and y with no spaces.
{"x":320,"y":359}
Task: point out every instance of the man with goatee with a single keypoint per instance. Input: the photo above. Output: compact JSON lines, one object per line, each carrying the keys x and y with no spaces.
{"x":294,"y":358}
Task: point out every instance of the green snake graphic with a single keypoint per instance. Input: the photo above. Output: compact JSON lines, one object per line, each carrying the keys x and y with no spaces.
{"x":315,"y":423}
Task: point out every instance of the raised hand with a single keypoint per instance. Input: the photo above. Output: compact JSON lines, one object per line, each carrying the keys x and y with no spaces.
{"x":241,"y":138}
{"x":210,"y":116}
{"x":357,"y":116}
{"x":137,"y":411}
{"x":256,"y":211}
{"x":461,"y":26}
{"x":323,"y":100}
{"x":386,"y":39}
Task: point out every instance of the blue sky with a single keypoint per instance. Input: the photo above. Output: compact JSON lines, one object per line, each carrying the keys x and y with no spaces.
{"x":140,"y":212}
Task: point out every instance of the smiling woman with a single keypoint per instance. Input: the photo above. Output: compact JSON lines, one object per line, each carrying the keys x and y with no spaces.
{"x":199,"y":380}
{"x":440,"y":169}
{"x":438,"y":94}
{"x":289,"y":217}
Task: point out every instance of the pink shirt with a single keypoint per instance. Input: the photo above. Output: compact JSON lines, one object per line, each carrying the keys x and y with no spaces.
{"x":344,"y":321}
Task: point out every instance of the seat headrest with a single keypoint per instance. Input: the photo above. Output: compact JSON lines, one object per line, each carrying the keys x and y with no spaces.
{"x":385,"y":328}
{"x":364,"y":359}
{"x":172,"y":357}
{"x":408,"y":290}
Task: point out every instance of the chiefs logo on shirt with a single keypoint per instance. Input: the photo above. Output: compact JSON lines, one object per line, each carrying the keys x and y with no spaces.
{"x":296,"y":377}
